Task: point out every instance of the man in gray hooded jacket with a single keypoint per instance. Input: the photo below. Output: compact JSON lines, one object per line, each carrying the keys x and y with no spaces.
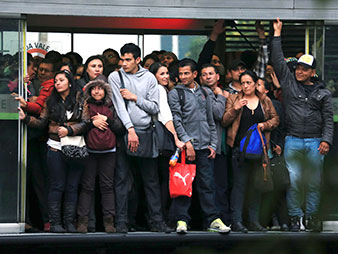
{"x":135,"y":104}
{"x":193,"y":119}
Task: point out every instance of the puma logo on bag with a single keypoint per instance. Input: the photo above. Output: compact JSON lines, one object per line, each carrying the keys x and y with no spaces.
{"x":180,"y":176}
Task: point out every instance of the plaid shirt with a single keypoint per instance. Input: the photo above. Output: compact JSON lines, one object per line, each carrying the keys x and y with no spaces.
{"x":262,"y":59}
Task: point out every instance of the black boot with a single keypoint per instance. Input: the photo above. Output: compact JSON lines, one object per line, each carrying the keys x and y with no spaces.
{"x":255,"y":226}
{"x":69,"y":217}
{"x":313,"y":224}
{"x":295,"y":224}
{"x":239,"y":227}
{"x":55,"y":217}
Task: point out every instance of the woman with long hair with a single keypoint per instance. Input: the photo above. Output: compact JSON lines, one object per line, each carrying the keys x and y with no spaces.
{"x":63,"y":115}
{"x":165,"y":117}
{"x":243,"y":110}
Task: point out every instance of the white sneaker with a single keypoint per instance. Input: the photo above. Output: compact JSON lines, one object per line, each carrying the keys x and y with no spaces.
{"x":181,"y":227}
{"x":218,"y":226}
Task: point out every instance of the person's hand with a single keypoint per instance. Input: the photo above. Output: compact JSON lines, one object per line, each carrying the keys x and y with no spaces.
{"x":260,"y":30}
{"x":127,"y":95}
{"x":100,"y":124}
{"x":22,"y":114}
{"x":32,"y":98}
{"x":277,"y":26}
{"x":212,"y":154}
{"x":133,"y":141}
{"x":278,"y":150}
{"x":240,"y":103}
{"x":99,"y":116}
{"x":62,"y":132}
{"x":324,"y":148}
{"x":260,"y":126}
{"x":22,"y":101}
{"x":275,"y":80}
{"x":179,"y":144}
{"x":190,"y":151}
{"x":218,"y":90}
{"x":226,"y":94}
{"x":26,"y":79}
{"x":217,"y":29}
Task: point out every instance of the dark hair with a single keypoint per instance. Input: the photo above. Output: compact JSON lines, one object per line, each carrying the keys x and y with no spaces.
{"x":131,"y":48}
{"x":207,"y":65}
{"x":112,"y":50}
{"x":249,"y":57}
{"x":55,"y":106}
{"x":155,"y":67}
{"x":71,"y":67}
{"x":188,"y":62}
{"x":173,"y":72}
{"x":56,"y":56}
{"x":30,"y":58}
{"x":50,"y":61}
{"x":75,"y":56}
{"x":249,"y":73}
{"x":91,"y":58}
{"x":150,"y":56}
{"x":169,"y":53}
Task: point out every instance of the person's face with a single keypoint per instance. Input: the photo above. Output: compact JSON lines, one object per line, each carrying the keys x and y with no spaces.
{"x":94,"y":68}
{"x":209,"y":76}
{"x":61,"y":83}
{"x":79,"y":72}
{"x":129,"y":63}
{"x":261,"y":87}
{"x":215,"y":60}
{"x":248,"y":85}
{"x":111,"y":57}
{"x":97,"y":93}
{"x":304,"y":74}
{"x":186,"y":76}
{"x":148,"y":63}
{"x":31,"y":70}
{"x":236,"y":73}
{"x":167,"y":60}
{"x":162,"y":76}
{"x":45,"y":72}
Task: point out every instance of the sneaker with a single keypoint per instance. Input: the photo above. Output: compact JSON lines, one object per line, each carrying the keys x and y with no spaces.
{"x":218,"y":226}
{"x":302,"y":227}
{"x":181,"y":227}
{"x":313,"y":224}
{"x":295,"y":224}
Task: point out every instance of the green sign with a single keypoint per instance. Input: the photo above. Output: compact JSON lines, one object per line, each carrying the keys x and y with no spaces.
{"x":8,"y":107}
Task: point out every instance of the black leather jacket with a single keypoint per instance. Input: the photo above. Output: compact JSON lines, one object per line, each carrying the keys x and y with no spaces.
{"x":306,"y":116}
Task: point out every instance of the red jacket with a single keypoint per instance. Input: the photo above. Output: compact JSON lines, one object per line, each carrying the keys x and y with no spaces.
{"x":37,"y":106}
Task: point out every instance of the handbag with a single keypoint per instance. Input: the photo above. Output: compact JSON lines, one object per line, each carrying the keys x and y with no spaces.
{"x":181,"y":177}
{"x":262,"y":175}
{"x":147,"y":143}
{"x":280,"y":174}
{"x":166,"y":141}
{"x":74,"y":147}
{"x":251,"y":145}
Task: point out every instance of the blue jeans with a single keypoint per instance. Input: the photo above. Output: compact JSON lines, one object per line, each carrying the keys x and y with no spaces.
{"x":305,"y":164}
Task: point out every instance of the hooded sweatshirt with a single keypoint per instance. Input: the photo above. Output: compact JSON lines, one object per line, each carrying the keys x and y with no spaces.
{"x":144,"y":85}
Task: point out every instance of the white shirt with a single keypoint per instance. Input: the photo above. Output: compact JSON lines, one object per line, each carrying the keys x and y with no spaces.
{"x":164,"y":115}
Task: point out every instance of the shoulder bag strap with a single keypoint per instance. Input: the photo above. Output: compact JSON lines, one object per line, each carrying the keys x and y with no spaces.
{"x":266,"y":158}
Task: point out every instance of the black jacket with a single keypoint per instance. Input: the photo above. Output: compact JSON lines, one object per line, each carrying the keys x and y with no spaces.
{"x":306,"y":116}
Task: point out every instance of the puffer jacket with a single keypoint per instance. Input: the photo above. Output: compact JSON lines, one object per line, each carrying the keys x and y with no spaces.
{"x":232,"y":117}
{"x":194,"y":120}
{"x":74,"y":125}
{"x":306,"y":116}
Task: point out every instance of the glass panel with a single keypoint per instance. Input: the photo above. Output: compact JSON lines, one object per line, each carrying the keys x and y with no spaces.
{"x":9,"y":75}
{"x":331,"y":65}
{"x":92,"y":44}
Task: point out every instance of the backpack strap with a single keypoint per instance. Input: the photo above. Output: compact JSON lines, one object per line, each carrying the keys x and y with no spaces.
{"x":181,"y":97}
{"x":205,"y":93}
{"x":123,"y":86}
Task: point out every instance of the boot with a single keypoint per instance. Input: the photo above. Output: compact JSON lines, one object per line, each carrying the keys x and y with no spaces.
{"x":55,"y":217}
{"x":82,"y":224}
{"x":69,"y":217}
{"x":108,"y":222}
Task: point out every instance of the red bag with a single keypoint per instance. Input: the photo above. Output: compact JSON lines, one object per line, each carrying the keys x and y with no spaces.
{"x":181,"y":177}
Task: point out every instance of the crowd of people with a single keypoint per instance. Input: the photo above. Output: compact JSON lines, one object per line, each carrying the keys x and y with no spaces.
{"x":112,"y":101}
